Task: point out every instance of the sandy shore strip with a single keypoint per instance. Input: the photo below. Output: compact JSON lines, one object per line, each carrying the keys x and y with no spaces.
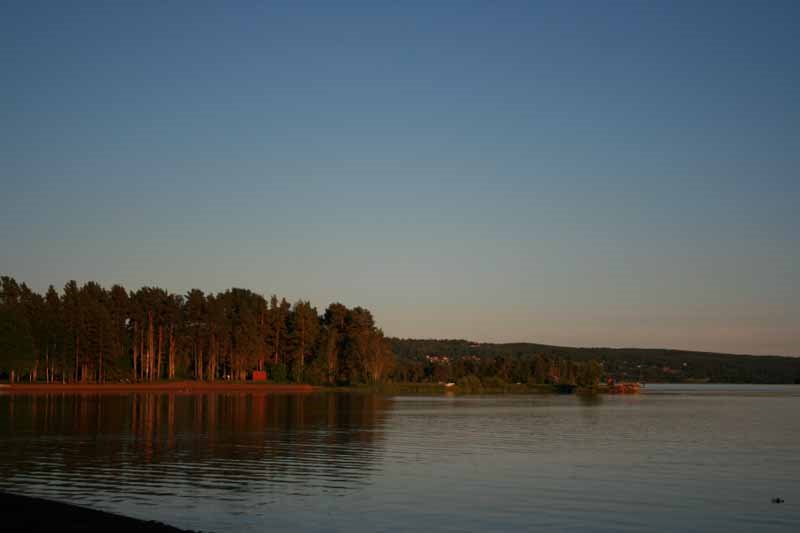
{"x":167,"y":386}
{"x":25,"y":513}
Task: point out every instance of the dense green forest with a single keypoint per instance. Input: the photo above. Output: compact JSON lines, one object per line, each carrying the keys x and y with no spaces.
{"x":91,"y":334}
{"x":624,"y":364}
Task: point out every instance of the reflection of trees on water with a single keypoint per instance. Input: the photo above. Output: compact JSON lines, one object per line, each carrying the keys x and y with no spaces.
{"x":213,"y":438}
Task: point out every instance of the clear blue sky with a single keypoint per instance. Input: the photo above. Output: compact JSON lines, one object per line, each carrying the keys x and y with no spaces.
{"x":580,"y":173}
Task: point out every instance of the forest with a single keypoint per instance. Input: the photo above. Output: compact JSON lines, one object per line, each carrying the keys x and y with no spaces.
{"x":623,"y":364}
{"x":90,"y":334}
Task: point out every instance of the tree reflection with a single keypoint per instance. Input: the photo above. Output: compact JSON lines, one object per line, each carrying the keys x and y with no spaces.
{"x":179,"y":439}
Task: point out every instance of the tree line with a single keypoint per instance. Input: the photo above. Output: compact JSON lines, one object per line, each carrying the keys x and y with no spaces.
{"x":87,"y":333}
{"x":624,"y":364}
{"x":473,"y":372}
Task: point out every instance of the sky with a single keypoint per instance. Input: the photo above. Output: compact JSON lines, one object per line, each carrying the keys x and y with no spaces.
{"x":575,"y":173}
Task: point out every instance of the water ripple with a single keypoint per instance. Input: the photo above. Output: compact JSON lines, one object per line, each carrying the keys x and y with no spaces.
{"x":674,"y":460}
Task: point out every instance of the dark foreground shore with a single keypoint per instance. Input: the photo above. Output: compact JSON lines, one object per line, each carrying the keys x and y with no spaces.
{"x":24,"y":513}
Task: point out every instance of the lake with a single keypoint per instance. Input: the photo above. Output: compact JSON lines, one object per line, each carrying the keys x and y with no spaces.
{"x":675,"y":458}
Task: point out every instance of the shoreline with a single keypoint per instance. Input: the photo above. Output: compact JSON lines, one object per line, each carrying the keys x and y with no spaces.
{"x":29,"y":513}
{"x":260,"y":388}
{"x":170,"y":386}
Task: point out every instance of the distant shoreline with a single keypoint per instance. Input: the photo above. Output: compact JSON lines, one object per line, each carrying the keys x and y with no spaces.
{"x":26,"y":513}
{"x":193,"y":387}
{"x":167,"y":386}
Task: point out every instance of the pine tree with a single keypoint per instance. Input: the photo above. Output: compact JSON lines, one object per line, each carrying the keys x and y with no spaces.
{"x":304,"y":323}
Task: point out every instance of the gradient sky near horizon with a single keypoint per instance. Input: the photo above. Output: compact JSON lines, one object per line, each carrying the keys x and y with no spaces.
{"x":578,"y":173}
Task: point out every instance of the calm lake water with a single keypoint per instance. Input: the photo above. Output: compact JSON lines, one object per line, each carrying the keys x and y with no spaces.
{"x":675,"y":458}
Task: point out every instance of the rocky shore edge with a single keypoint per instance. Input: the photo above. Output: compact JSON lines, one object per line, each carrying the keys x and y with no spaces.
{"x":26,"y":513}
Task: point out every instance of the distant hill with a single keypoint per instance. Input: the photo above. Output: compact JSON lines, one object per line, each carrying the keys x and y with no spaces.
{"x":652,"y":365}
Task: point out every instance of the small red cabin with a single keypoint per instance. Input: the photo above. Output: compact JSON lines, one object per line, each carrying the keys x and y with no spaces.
{"x":259,"y":375}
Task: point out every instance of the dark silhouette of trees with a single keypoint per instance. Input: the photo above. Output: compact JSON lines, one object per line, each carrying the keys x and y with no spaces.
{"x":277,"y":329}
{"x":195,"y":331}
{"x":333,"y":340}
{"x":88,"y":334}
{"x":304,"y":330}
{"x":17,"y":348}
{"x":565,"y":363}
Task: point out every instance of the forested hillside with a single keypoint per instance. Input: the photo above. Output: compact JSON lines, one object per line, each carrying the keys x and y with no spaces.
{"x":623,"y":363}
{"x":88,"y":333}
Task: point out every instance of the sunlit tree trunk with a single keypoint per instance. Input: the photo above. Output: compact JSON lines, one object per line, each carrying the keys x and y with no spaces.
{"x":277,"y":343}
{"x":212,"y":359}
{"x":150,"y":346}
{"x":199,"y":364}
{"x":135,"y":351}
{"x":171,"y":352}
{"x":159,"y":360}
{"x":77,"y":351}
{"x":141,"y":355}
